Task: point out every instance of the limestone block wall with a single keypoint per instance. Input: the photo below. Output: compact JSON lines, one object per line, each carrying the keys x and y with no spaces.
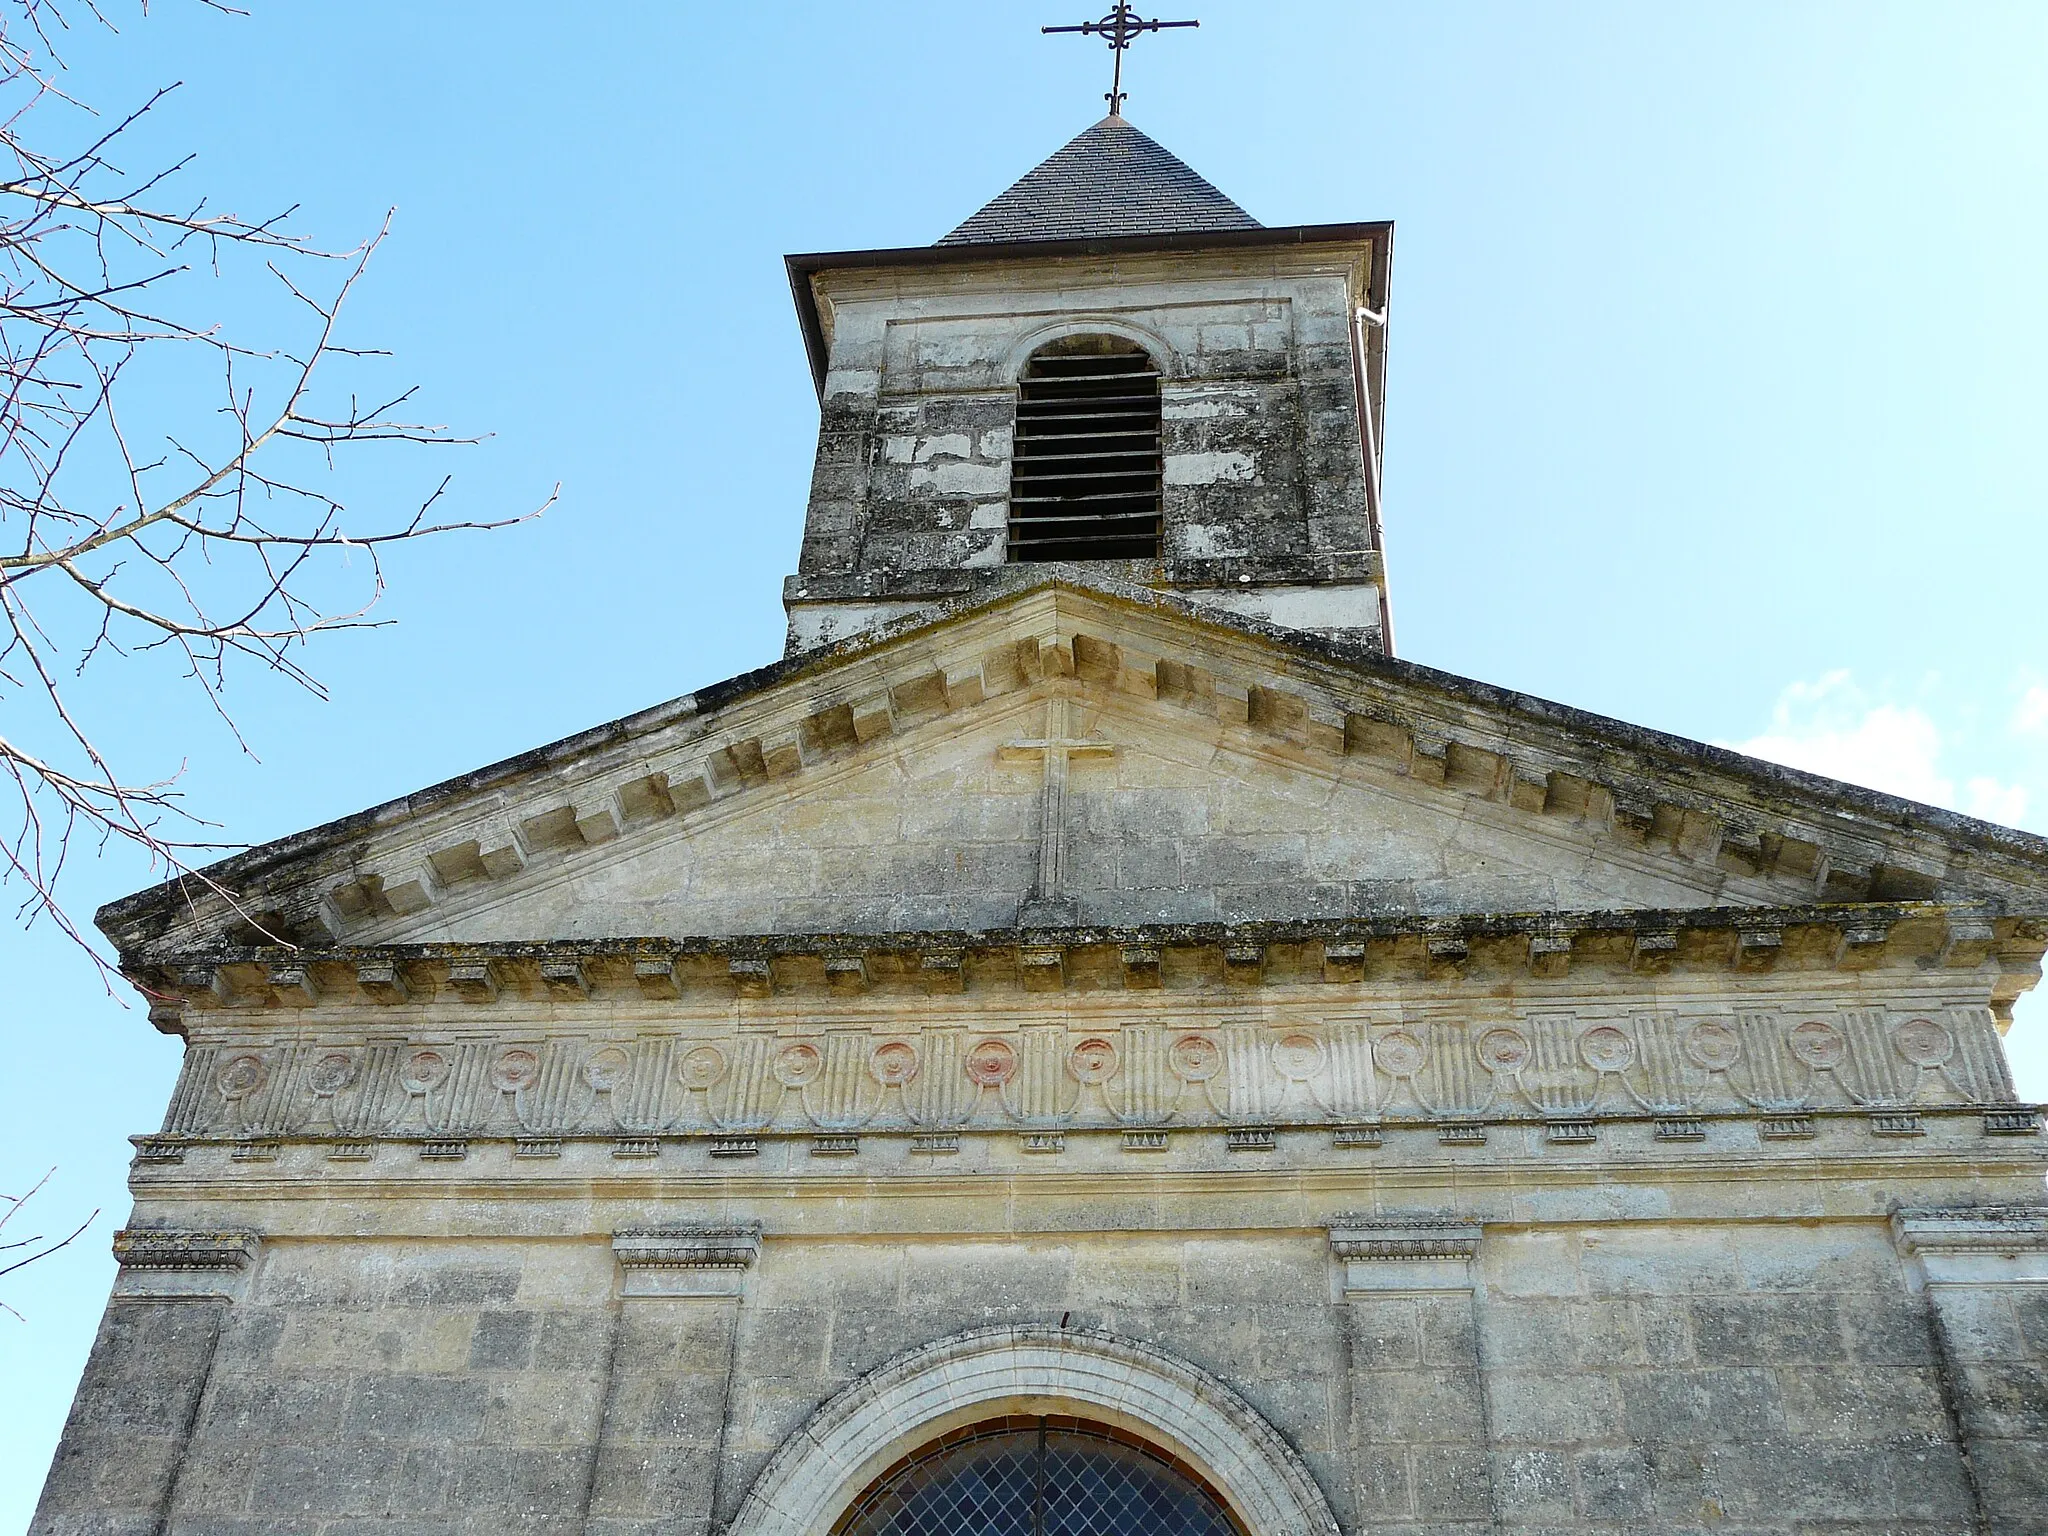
{"x":1986,"y":1287}
{"x":1634,"y":1232}
{"x":130,"y":1427}
{"x":1430,"y":1372}
{"x":1263,"y":453}
{"x":417,"y":1386}
{"x":1766,"y":1377}
{"x":1255,"y":1311}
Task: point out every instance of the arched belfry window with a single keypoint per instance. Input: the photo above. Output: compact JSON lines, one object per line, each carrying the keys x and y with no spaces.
{"x":1038,"y":1477}
{"x":1085,"y":472}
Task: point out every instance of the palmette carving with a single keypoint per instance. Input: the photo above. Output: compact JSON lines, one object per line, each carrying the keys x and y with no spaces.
{"x":839,"y":1101}
{"x":1147,"y":1091}
{"x":1462,"y":1089}
{"x":1241,"y":1070}
{"x":1980,"y":1060}
{"x":1041,"y":1094}
{"x":1353,"y":1088}
{"x":1555,"y":1082}
{"x":1659,"y":1084}
{"x":1246,"y":1070}
{"x":942,"y":1095}
{"x":753,"y":1096}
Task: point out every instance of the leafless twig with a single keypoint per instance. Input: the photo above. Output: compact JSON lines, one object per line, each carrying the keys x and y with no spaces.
{"x":132,"y":519}
{"x":12,"y":1256}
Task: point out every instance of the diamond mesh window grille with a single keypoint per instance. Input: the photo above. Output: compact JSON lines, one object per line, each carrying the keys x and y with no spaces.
{"x":1038,"y":1477}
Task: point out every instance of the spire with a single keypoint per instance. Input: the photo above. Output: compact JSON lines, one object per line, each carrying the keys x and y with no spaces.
{"x":1111,"y":180}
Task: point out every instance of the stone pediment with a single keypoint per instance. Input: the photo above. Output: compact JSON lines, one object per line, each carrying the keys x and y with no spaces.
{"x":1070,"y":752}
{"x":1153,"y":818}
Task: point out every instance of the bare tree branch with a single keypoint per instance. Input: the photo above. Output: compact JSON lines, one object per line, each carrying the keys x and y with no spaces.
{"x":212,"y":537}
{"x":12,"y":1254}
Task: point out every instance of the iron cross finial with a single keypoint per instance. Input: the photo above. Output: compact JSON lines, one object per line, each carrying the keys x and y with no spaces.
{"x":1118,"y":29}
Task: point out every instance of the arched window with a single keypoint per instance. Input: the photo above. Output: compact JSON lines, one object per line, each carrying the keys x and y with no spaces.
{"x":1038,"y":1477}
{"x":1085,"y":472}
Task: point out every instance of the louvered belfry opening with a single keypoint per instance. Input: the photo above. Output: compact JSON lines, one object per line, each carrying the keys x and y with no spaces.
{"x":1085,"y":472}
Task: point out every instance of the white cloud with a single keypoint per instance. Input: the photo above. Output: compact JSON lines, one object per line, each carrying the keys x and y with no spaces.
{"x":1832,"y":727}
{"x":2031,"y":718}
{"x":1994,"y":801}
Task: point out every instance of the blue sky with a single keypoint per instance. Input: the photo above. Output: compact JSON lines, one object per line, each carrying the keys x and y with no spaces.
{"x":1715,"y":396}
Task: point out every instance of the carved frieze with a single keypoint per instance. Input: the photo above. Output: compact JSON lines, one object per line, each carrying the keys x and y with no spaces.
{"x":732,"y":1081}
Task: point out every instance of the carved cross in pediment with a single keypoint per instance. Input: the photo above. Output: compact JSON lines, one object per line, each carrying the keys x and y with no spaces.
{"x":1049,"y":905}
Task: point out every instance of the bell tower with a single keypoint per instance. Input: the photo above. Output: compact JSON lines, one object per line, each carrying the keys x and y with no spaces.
{"x":1111,"y":367}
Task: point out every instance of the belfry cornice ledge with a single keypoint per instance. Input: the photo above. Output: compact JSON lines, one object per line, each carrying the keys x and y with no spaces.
{"x":1162,"y":575}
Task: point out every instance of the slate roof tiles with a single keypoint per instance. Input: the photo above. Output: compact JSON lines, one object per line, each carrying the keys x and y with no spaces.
{"x":1112,"y":180}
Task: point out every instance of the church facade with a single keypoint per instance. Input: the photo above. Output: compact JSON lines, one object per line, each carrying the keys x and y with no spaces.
{"x":1089,"y":1043}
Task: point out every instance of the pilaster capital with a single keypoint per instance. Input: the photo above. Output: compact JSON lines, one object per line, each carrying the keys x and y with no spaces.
{"x":1405,"y":1252}
{"x":1975,"y":1245}
{"x":174,"y":1261}
{"x":686,"y":1260}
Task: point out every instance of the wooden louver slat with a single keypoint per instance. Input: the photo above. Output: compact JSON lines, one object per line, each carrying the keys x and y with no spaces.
{"x":1086,"y":471}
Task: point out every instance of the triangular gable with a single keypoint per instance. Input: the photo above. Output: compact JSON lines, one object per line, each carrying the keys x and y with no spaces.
{"x":1250,"y":773}
{"x":1166,"y":817}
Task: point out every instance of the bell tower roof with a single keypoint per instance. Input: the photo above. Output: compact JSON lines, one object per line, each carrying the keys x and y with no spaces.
{"x":1110,"y":181}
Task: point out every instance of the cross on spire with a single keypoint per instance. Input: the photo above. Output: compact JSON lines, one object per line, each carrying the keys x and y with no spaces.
{"x":1118,"y":29}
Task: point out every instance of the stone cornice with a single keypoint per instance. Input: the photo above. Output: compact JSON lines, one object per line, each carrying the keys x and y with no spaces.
{"x":687,"y":1247}
{"x":686,"y":1261}
{"x":1729,"y":816}
{"x":1424,"y":1253}
{"x":1403,"y":1237}
{"x":1524,"y":1188}
{"x":1013,"y":267}
{"x":2004,"y":1230}
{"x":159,"y":1248}
{"x":1480,"y":948}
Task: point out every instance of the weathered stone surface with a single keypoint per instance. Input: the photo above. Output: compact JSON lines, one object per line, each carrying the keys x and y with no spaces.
{"x":1419,"y":1108}
{"x":1264,"y":466}
{"x":1207,"y":806}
